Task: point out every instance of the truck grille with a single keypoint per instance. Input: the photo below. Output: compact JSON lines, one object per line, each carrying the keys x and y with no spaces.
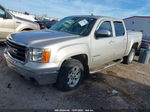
{"x":16,"y":51}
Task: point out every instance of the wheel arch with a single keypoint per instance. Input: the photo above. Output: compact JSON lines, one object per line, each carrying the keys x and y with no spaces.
{"x":27,"y":29}
{"x":24,"y":27}
{"x":83,"y":58}
{"x":135,"y":45}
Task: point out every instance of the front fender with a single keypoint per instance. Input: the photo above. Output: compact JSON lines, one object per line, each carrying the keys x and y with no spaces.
{"x":68,"y":51}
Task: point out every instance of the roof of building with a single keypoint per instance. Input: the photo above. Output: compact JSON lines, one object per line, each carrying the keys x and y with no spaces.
{"x":137,"y":17}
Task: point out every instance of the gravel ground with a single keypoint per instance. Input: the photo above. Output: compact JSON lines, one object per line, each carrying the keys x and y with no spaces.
{"x":119,"y":87}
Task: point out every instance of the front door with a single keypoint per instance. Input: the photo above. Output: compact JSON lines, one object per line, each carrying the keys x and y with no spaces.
{"x":6,"y":24}
{"x":103,"y":47}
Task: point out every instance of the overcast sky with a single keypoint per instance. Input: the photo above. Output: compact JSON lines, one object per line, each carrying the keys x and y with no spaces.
{"x":62,"y":8}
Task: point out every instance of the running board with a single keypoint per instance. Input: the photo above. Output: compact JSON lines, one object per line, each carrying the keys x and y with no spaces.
{"x":108,"y":66}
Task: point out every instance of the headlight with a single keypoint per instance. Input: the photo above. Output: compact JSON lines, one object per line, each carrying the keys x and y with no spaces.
{"x":39,"y":55}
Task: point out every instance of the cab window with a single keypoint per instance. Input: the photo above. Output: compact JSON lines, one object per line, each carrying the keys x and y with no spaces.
{"x":2,"y":13}
{"x":106,"y":26}
{"x":119,"y":28}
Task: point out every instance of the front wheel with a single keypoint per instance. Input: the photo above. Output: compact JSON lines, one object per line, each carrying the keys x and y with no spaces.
{"x":71,"y":75}
{"x":129,"y":59}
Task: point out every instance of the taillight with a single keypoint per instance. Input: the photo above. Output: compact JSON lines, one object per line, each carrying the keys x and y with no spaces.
{"x":40,"y":22}
{"x":144,"y":42}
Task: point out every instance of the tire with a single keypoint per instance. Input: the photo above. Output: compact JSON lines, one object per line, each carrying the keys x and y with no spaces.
{"x":70,"y":76}
{"x":129,"y":59}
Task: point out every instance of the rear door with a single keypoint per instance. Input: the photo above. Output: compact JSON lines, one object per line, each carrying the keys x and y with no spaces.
{"x":120,"y":39}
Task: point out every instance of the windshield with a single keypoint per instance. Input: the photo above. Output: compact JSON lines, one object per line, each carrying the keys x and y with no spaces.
{"x":75,"y":25}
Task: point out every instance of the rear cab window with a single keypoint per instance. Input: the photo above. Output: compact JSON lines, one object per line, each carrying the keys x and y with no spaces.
{"x":119,"y":28}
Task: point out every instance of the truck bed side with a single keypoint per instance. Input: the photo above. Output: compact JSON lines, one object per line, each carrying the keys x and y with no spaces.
{"x":133,"y":38}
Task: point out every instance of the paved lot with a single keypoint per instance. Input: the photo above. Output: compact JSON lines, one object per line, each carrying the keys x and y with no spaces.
{"x":119,"y":87}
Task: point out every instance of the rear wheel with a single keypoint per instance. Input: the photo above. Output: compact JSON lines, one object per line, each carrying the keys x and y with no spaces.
{"x":129,"y":59}
{"x":71,"y":75}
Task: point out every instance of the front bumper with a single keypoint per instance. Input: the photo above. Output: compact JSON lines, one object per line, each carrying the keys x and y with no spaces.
{"x":42,"y":76}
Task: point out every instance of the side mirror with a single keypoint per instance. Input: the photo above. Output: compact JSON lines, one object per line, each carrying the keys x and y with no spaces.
{"x":103,"y":33}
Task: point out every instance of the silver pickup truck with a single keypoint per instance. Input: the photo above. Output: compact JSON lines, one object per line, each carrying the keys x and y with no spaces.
{"x":71,"y":49}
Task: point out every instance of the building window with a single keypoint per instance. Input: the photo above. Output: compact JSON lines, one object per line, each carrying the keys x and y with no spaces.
{"x":141,"y":31}
{"x":133,"y":22}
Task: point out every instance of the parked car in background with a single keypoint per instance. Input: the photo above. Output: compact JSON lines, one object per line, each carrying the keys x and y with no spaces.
{"x":144,"y":51}
{"x":46,"y":24}
{"x":145,"y":43}
{"x":71,"y":49}
{"x":12,"y":24}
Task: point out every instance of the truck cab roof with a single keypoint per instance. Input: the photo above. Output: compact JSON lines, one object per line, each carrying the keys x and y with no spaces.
{"x":97,"y":17}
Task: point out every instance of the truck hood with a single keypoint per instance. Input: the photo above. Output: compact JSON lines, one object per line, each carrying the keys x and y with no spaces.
{"x":42,"y":37}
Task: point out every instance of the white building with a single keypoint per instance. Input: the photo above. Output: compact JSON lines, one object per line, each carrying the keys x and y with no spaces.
{"x":139,"y":23}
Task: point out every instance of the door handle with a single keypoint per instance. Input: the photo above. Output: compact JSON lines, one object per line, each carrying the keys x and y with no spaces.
{"x":18,"y":22}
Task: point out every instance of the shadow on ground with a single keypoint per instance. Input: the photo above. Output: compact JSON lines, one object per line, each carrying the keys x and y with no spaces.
{"x":107,"y":91}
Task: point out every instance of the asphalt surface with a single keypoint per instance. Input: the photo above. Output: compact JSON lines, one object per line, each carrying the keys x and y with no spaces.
{"x":119,"y":87}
